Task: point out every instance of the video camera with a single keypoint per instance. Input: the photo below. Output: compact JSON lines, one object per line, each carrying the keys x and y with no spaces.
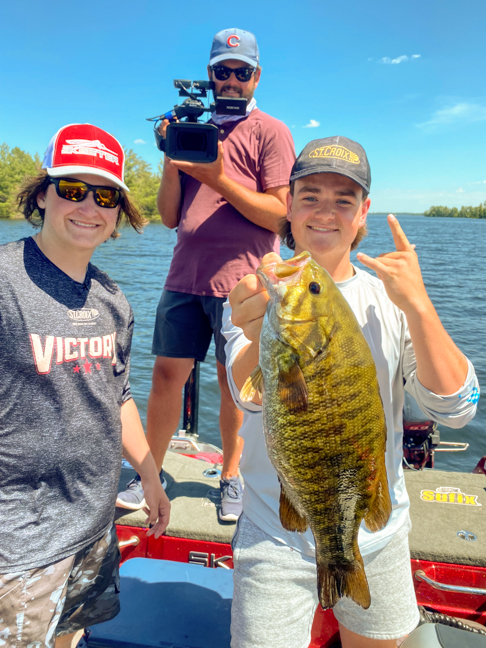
{"x":191,"y":140}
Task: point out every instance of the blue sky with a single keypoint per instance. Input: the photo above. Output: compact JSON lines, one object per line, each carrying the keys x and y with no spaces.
{"x":405,"y":79}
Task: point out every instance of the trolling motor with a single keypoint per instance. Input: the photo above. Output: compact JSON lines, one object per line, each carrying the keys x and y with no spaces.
{"x":419,"y":442}
{"x":421,"y":438}
{"x":191,"y":140}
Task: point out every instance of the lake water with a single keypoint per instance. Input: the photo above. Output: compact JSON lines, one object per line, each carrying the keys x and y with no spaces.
{"x":450,"y":252}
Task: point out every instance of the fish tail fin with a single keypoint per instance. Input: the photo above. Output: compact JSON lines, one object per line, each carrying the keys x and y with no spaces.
{"x":335,"y":582}
{"x":253,"y":384}
{"x":380,"y":508}
{"x":290,"y":519}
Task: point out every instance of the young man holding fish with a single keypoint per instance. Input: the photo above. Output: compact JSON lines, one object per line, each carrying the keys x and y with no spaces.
{"x":327,"y":210}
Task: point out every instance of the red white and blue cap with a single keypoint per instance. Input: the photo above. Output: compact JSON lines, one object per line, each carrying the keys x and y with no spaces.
{"x":234,"y":44}
{"x":83,"y":148}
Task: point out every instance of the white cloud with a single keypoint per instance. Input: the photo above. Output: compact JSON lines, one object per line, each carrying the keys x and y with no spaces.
{"x":460,"y":190}
{"x":313,"y":123}
{"x":461,"y":112}
{"x":386,"y":60}
{"x":396,"y":61}
{"x":139,"y":141}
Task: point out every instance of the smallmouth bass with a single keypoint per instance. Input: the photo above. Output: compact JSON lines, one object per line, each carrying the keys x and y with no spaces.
{"x":323,"y":421}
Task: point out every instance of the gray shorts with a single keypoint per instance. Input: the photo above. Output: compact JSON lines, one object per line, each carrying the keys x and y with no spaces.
{"x":39,"y":604}
{"x":275,"y":593}
{"x":185,"y":325}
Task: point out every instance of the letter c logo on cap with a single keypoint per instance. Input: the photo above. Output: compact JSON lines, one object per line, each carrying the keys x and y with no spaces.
{"x":230,"y":41}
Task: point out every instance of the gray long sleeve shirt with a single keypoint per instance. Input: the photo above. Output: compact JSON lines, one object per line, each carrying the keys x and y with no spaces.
{"x":64,"y":364}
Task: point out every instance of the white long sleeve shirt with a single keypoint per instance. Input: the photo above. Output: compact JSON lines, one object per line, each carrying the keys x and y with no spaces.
{"x":386,"y":331}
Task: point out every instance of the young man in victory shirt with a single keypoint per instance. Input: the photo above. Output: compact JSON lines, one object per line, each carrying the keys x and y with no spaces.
{"x":66,"y":412}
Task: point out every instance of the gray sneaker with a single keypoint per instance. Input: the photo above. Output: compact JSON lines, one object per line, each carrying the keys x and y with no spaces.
{"x":132,"y":498}
{"x":231,"y":499}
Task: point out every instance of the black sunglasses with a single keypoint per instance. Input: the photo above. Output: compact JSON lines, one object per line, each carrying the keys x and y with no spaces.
{"x":76,"y":191}
{"x":223,"y":73}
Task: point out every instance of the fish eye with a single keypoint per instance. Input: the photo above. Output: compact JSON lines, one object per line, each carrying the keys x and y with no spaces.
{"x":314,"y":287}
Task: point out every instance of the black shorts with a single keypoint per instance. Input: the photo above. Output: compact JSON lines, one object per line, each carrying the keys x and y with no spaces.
{"x":185,"y":325}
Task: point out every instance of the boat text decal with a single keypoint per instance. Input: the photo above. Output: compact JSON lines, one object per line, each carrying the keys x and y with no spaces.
{"x":449,"y":495}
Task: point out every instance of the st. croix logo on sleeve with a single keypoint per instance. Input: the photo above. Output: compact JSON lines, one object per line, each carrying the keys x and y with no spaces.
{"x":449,"y":495}
{"x":80,"y":350}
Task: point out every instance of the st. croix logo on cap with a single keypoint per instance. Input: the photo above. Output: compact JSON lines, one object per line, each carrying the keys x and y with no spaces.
{"x":337,"y":152}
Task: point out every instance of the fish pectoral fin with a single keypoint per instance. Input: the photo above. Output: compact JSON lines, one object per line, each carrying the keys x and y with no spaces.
{"x":336,"y":581}
{"x":290,"y":519}
{"x":253,"y":384}
{"x":380,"y":508}
{"x":292,"y":386}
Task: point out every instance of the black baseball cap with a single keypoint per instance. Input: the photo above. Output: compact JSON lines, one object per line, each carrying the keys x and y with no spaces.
{"x":334,"y":155}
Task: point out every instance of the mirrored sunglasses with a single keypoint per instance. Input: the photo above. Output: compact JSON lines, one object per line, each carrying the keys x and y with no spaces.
{"x":76,"y":191}
{"x":223,"y":73}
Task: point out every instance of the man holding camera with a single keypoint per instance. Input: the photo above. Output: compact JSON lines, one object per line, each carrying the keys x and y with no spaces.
{"x":227,"y":214}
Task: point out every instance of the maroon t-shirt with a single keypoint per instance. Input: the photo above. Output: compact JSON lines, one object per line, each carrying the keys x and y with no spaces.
{"x":216,"y":245}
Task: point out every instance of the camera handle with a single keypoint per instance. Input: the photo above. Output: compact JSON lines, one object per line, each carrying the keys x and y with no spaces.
{"x":159,"y":140}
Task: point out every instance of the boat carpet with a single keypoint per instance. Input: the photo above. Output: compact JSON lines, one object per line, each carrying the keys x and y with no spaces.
{"x":442,"y":504}
{"x":195,"y":501}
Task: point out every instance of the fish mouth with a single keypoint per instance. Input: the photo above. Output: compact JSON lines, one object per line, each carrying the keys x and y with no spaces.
{"x":282,"y":273}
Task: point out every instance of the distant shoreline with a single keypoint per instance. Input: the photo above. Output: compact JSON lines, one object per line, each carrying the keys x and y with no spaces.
{"x":396,"y":213}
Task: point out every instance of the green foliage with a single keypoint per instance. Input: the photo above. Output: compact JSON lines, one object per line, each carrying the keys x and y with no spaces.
{"x":143,"y":184}
{"x":464,"y":212}
{"x":15,"y":165}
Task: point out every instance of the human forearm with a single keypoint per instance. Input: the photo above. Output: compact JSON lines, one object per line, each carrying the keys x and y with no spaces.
{"x":244,"y":363}
{"x":135,"y":446}
{"x":137,"y":451}
{"x":169,"y":196}
{"x":263,"y":209}
{"x":441,"y":366}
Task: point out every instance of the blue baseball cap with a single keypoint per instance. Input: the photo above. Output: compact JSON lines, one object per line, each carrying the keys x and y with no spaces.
{"x":234,"y":44}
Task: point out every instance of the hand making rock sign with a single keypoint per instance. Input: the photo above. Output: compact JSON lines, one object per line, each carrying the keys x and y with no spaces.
{"x":440,"y":365}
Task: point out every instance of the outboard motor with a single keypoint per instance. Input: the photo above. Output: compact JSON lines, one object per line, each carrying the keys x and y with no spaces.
{"x":420,"y":436}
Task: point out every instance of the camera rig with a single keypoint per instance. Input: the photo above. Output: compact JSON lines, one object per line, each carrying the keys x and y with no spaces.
{"x":191,"y":140}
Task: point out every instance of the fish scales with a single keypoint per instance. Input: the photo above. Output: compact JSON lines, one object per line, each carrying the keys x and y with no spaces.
{"x":328,"y":448}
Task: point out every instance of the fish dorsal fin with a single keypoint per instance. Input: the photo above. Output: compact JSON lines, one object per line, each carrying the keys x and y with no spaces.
{"x":253,"y":384}
{"x":291,"y":384}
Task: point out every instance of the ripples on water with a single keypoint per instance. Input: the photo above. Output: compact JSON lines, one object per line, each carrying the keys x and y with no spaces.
{"x":449,"y":250}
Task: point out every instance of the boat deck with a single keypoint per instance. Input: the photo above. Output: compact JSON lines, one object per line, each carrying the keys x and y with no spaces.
{"x":194,"y":501}
{"x":437,"y":518}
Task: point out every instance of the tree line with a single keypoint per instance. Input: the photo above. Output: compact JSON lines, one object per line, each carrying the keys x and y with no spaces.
{"x":16,"y":165}
{"x":463,"y":212}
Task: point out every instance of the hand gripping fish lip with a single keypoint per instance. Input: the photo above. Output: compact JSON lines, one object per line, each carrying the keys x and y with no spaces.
{"x":275,"y":275}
